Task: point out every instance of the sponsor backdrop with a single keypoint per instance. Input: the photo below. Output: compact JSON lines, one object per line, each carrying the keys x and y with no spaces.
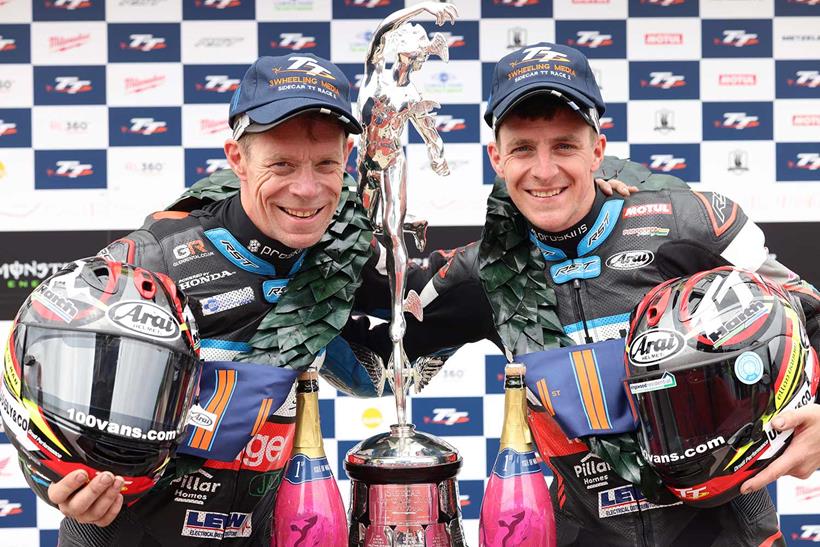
{"x":108,"y":110}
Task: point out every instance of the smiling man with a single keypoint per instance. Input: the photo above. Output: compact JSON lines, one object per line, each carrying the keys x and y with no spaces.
{"x":238,"y":243}
{"x":560,"y":263}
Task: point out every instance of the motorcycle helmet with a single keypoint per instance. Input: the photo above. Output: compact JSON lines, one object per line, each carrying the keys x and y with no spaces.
{"x":711,"y":360}
{"x":100,"y":371}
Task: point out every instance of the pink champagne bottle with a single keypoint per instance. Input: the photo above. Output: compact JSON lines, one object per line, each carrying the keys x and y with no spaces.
{"x":516,"y":509}
{"x":308,"y":510}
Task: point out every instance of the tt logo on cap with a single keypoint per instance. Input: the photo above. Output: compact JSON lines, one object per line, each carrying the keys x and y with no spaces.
{"x":310,"y":67}
{"x":544,"y":54}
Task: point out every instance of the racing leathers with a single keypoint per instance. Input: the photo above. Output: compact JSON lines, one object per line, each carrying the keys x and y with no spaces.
{"x":232,"y":275}
{"x":599,"y":269}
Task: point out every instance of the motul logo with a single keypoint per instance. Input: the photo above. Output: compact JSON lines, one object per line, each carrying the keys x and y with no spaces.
{"x":663,"y":39}
{"x":648,"y":209}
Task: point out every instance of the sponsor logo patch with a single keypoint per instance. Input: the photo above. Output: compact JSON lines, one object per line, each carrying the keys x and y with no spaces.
{"x":210,"y":525}
{"x":648,"y":209}
{"x":145,"y":319}
{"x":630,"y":260}
{"x":622,"y":500}
{"x":655,"y":346}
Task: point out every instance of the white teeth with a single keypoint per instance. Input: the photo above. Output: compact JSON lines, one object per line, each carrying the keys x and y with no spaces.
{"x":300,"y":214}
{"x":548,"y":194}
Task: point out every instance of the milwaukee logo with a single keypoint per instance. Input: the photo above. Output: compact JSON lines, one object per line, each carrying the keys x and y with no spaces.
{"x":138,"y":85}
{"x":58,"y":43}
{"x":737,"y":79}
{"x":213,"y":126}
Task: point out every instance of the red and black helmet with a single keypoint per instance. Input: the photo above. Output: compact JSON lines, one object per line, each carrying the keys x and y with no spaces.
{"x":100,"y":372}
{"x":711,"y":360}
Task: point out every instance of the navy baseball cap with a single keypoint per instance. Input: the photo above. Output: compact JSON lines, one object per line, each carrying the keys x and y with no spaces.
{"x":544,"y":67}
{"x":275,"y":89}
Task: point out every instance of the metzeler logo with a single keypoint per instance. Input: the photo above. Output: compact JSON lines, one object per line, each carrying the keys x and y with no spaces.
{"x":70,"y":169}
{"x":144,"y":318}
{"x":7,"y":128}
{"x":145,"y":126}
{"x":737,"y":120}
{"x":655,"y":346}
{"x":591,"y":39}
{"x":664,"y":80}
{"x":663,"y":39}
{"x":805,"y":78}
{"x":70,"y":85}
{"x":737,"y":79}
{"x":666,"y":162}
{"x":59,"y":43}
{"x":143,"y":42}
{"x":805,"y":160}
{"x":294,"y":41}
{"x":7,"y":44}
{"x":737,"y":38}
{"x":218,"y":83}
{"x":139,"y":85}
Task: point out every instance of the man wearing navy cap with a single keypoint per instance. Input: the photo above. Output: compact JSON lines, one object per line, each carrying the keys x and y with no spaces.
{"x":551,"y":238}
{"x":281,"y":216}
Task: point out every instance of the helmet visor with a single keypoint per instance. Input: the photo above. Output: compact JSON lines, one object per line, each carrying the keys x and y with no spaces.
{"x":688,"y":413}
{"x":113,"y":384}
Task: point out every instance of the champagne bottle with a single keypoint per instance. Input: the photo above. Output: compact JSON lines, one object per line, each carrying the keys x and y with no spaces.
{"x":516,"y":509}
{"x":308,"y":509}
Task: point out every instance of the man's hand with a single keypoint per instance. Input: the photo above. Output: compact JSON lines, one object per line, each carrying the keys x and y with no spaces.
{"x":96,"y":502}
{"x":802,"y":457}
{"x":611,"y":186}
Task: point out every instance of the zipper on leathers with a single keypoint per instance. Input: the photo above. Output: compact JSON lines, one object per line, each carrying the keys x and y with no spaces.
{"x":579,"y":308}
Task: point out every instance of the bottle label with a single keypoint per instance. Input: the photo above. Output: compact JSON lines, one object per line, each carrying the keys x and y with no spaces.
{"x":302,"y":469}
{"x":307,"y":386}
{"x":511,"y":463}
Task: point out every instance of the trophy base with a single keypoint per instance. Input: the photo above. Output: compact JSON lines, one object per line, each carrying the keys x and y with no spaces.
{"x":404,"y":491}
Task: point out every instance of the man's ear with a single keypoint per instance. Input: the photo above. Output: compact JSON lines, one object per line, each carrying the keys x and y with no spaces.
{"x":494,"y":154}
{"x":598,"y":151}
{"x":236,"y":159}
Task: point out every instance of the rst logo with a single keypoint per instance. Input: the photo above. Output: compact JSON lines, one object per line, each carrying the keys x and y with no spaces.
{"x":283,"y":39}
{"x":201,"y":163}
{"x":450,"y":416}
{"x":737,"y":38}
{"x":15,"y":44}
{"x":357,"y":9}
{"x":68,"y":10}
{"x":738,"y":121}
{"x":797,"y":80}
{"x":798,"y":162}
{"x":15,"y":127}
{"x":462,"y":38}
{"x":664,"y":80}
{"x":141,"y":43}
{"x":455,"y":123}
{"x":516,"y":8}
{"x":160,"y":126}
{"x":596,"y":39}
{"x":69,"y":169}
{"x":681,"y":160}
{"x":211,"y":83}
{"x":219,"y":9}
{"x":663,"y":8}
{"x":66,"y":85}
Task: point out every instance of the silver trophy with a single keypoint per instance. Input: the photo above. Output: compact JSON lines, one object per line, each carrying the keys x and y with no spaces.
{"x":403,"y":482}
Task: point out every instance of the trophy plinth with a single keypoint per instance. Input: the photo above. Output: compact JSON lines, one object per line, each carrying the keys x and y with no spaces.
{"x":404,"y":491}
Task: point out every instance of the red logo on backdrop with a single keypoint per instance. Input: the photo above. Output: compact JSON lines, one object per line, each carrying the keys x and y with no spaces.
{"x":68,"y":4}
{"x":737,"y":79}
{"x":217,"y":4}
{"x":367,"y":3}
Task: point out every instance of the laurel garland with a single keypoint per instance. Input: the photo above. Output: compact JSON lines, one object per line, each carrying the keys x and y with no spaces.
{"x":511,"y":270}
{"x":319,"y":298}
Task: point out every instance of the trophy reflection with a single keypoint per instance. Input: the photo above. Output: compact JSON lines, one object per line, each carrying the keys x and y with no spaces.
{"x":403,"y":482}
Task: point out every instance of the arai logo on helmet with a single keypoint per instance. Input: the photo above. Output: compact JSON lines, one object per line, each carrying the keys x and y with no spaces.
{"x":655,"y":346}
{"x":630,"y":260}
{"x":144,"y":318}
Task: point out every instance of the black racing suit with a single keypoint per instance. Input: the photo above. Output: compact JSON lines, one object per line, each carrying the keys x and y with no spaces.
{"x":600,"y":269}
{"x":226,"y":503}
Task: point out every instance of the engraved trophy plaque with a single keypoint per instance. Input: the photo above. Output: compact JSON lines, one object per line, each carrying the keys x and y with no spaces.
{"x":403,"y":482}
